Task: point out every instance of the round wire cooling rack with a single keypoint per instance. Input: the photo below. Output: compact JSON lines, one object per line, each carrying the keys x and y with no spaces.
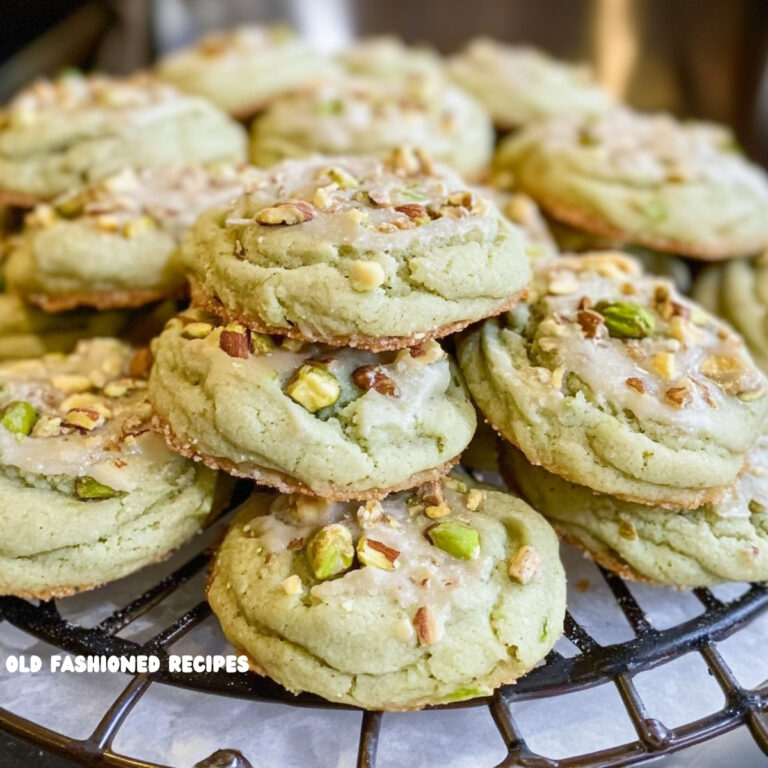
{"x":592,"y":664}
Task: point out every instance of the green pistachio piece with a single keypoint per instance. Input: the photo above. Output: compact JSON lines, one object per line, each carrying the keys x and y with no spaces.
{"x":313,"y":387}
{"x":71,"y":205}
{"x":342,"y":178}
{"x":377,"y":554}
{"x":261,"y":344}
{"x":626,"y":320}
{"x":88,"y":488}
{"x":18,"y":417}
{"x":755,"y":507}
{"x":457,"y":539}
{"x":330,"y":551}
{"x":330,"y":107}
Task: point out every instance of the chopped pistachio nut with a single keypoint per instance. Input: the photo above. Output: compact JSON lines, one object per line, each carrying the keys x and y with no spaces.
{"x":307,"y":509}
{"x":422,"y":354}
{"x":457,"y":539}
{"x":139,"y":226}
{"x":435,"y":511}
{"x":86,"y":419}
{"x":85,"y":400}
{"x":342,"y":178}
{"x":627,"y":530}
{"x":287,"y":214}
{"x":330,"y":551}
{"x":625,"y":319}
{"x":525,"y":566}
{"x":261,"y":344}
{"x":366,"y":275}
{"x":404,"y":631}
{"x":426,"y":626}
{"x":292,"y":585}
{"x":18,"y":417}
{"x":475,"y":497}
{"x":235,"y":341}
{"x":47,"y":426}
{"x":292,"y":345}
{"x":123,"y":386}
{"x":369,"y":513}
{"x":455,"y":484}
{"x":755,"y":507}
{"x":664,"y":365}
{"x":197,"y":330}
{"x":313,"y":387}
{"x":71,"y":382}
{"x":88,"y":488}
{"x":377,"y":554}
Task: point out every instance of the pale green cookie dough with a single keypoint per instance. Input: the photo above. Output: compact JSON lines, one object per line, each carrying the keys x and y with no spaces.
{"x":367,"y":252}
{"x":611,"y":379}
{"x":644,"y":179}
{"x":56,"y":135}
{"x":366,"y":115}
{"x":724,"y":541}
{"x":114,"y":243}
{"x":337,"y":423}
{"x":388,"y":57}
{"x":405,"y":623}
{"x":88,"y":493}
{"x":519,"y":85}
{"x":738,"y":292}
{"x":243,"y":69}
{"x":26,"y":331}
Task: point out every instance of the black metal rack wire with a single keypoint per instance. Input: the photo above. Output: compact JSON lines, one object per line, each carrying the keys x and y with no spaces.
{"x":594,"y":664}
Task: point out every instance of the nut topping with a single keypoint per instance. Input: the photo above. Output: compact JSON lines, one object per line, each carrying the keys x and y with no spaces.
{"x":330,"y":551}
{"x":457,"y":539}
{"x":591,"y":322}
{"x":525,"y":566}
{"x":425,"y":625}
{"x":377,"y":554}
{"x":235,"y":341}
{"x":637,"y":384}
{"x":373,"y":377}
{"x":18,"y":417}
{"x":286,"y":214}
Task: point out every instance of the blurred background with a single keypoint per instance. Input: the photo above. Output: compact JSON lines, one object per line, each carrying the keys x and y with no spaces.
{"x":695,"y":58}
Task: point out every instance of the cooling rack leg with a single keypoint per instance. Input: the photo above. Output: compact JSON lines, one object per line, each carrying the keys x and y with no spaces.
{"x":369,"y":739}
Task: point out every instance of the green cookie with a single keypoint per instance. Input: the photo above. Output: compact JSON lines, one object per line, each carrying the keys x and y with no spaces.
{"x":369,"y":115}
{"x":384,"y":607}
{"x":87,"y":493}
{"x":56,"y":135}
{"x":722,"y":541}
{"x":611,"y":379}
{"x":644,"y":179}
{"x":367,"y":252}
{"x":243,"y":69}
{"x":519,"y":85}
{"x":339,"y":423}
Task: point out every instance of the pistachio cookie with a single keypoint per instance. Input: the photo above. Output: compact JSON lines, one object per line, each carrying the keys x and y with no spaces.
{"x":368,"y":115}
{"x":738,"y":292}
{"x":611,"y":379}
{"x":388,"y":57}
{"x":722,"y":541}
{"x":644,"y":179}
{"x":522,"y":211}
{"x":87,"y":492}
{"x":113,"y":243}
{"x":243,"y":69}
{"x":337,"y":423}
{"x":26,"y":331}
{"x":421,"y":599}
{"x":519,"y":85}
{"x":60,"y":134}
{"x":365,"y":252}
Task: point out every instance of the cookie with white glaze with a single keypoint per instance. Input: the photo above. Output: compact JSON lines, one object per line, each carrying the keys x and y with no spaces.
{"x":60,"y":134}
{"x":722,"y":541}
{"x":242,"y":69}
{"x":88,"y":493}
{"x":422,"y":599}
{"x":371,"y":252}
{"x":387,"y":56}
{"x":647,"y":180}
{"x":337,"y":423}
{"x":114,"y":243}
{"x":519,"y":85}
{"x":737,"y":291}
{"x":612,"y":380}
{"x":369,"y":115}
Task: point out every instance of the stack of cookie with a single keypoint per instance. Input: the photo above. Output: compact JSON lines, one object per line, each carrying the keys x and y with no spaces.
{"x":115,"y":171}
{"x":310,"y":363}
{"x":607,"y":378}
